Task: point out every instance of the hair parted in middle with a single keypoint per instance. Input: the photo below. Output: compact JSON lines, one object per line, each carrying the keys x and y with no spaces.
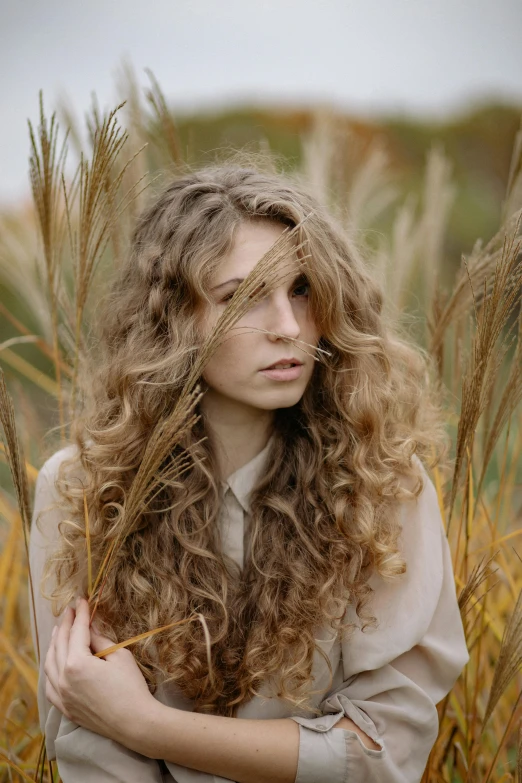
{"x":324,"y":514}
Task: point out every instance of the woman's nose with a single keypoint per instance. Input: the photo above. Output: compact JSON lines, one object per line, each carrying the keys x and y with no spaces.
{"x":282,"y":318}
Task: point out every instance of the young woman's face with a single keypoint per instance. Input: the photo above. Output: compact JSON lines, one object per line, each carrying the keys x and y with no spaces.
{"x":234,"y":372}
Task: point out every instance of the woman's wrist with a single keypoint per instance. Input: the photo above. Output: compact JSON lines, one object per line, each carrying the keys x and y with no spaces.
{"x":142,"y":728}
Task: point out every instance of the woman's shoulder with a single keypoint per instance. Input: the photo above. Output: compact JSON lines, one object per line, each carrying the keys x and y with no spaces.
{"x":422,"y":528}
{"x":405,"y":605}
{"x":422,"y":509}
{"x":51,"y":465}
{"x":46,"y":490}
{"x":47,"y":511}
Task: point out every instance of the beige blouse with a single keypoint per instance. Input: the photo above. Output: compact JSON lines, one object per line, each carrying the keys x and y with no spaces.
{"x":387,"y":680}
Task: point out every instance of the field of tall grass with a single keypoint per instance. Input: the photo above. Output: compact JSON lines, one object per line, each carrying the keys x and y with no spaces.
{"x":53,"y":260}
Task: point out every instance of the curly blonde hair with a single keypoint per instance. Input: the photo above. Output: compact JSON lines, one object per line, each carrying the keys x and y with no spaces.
{"x":325,"y":512}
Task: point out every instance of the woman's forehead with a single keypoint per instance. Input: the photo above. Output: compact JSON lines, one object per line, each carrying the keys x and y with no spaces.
{"x":251,"y":242}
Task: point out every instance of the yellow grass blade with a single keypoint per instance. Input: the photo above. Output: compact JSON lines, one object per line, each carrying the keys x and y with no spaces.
{"x":26,"y":368}
{"x":7,"y":556}
{"x":29,"y":674}
{"x":15,"y":767}
{"x":491,"y":621}
{"x":32,"y":472}
{"x":39,"y":342}
{"x":497,"y":541}
{"x":100,"y":572}
{"x":459,"y":712}
{"x":471,"y":507}
{"x":88,"y":540}
{"x":12,"y":594}
{"x":141,"y":636}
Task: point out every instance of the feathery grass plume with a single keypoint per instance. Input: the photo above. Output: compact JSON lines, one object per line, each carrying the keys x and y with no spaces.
{"x":320,"y":148}
{"x":151,"y":475}
{"x":352,"y":177}
{"x":480,"y":573}
{"x":100,"y":204}
{"x":486,"y":356}
{"x":20,"y":274}
{"x":513,"y":199}
{"x":167,"y":135}
{"x":46,"y":174}
{"x":477,"y":268}
{"x":507,"y":405}
{"x":139,"y":168}
{"x":502,"y":741}
{"x":412,"y":257}
{"x":509,"y":660}
{"x":437,"y":199}
{"x":16,"y":462}
{"x":372,"y":189}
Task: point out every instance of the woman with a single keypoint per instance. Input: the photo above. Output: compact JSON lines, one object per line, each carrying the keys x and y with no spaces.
{"x":305,"y":532}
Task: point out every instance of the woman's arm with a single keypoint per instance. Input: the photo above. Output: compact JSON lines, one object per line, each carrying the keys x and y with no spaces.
{"x":82,"y":755}
{"x":111,"y":697}
{"x":395,"y":674}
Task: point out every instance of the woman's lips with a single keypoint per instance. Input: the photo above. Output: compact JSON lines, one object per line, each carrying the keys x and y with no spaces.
{"x":290,"y":374}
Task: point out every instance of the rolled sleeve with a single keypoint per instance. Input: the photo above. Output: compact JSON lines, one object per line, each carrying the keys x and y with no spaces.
{"x":85,"y":756}
{"x":322,"y":753}
{"x":412,"y":660}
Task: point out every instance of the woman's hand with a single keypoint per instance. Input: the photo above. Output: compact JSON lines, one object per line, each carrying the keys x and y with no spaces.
{"x":104,"y":695}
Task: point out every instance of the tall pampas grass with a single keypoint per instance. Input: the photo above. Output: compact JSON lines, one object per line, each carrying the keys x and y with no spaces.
{"x":473,"y":331}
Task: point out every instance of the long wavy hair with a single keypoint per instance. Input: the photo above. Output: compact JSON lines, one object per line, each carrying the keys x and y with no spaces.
{"x":324,"y":515}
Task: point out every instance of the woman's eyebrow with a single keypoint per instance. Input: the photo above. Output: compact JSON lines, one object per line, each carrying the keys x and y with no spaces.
{"x":240,"y":280}
{"x":232,"y":280}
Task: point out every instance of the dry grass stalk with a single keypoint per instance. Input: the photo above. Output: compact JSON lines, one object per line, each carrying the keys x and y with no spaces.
{"x":16,"y":768}
{"x":46,"y":173}
{"x":509,"y":659}
{"x":156,"y":631}
{"x":100,"y":204}
{"x":484,"y":363}
{"x":519,"y":755}
{"x":508,"y":403}
{"x":480,"y":573}
{"x":168,"y":133}
{"x":16,"y":462}
{"x":477,"y":268}
{"x":513,"y":200}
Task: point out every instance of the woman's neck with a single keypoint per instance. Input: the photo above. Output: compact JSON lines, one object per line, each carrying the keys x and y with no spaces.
{"x":236,"y":435}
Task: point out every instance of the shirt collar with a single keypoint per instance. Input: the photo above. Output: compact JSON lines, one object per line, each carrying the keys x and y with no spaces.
{"x":243,"y":480}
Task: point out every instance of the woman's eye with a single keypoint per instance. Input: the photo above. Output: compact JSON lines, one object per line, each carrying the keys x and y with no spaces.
{"x":302,"y":285}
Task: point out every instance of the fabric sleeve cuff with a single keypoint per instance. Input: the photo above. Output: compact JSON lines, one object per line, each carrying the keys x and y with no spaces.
{"x":322,"y":753}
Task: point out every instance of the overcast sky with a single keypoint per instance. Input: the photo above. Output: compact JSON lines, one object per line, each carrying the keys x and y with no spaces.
{"x":369,"y":56}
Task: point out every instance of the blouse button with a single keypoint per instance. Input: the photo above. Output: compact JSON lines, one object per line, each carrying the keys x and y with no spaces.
{"x":321,"y":726}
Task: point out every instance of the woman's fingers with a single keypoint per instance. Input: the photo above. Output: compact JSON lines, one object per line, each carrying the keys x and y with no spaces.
{"x":61,"y":638}
{"x":99,"y":642}
{"x":80,"y":635}
{"x":50,"y":667}
{"x":52,"y":691}
{"x":53,"y":696}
